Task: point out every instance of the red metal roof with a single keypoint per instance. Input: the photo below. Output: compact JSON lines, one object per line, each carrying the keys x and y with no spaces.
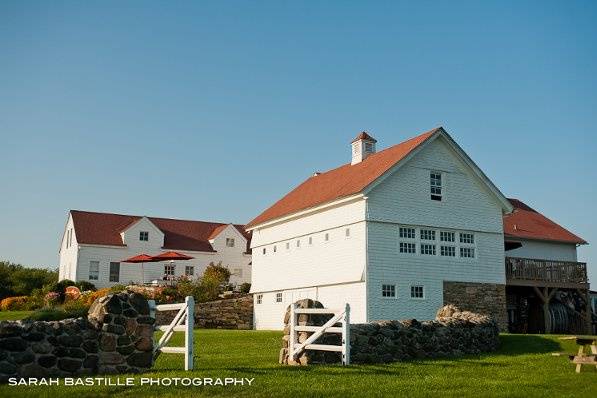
{"x":105,"y":228}
{"x":343,"y":181}
{"x":527,"y":223}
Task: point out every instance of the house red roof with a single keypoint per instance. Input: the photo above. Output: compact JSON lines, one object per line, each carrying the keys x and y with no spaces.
{"x":105,"y":228}
{"x":343,"y":181}
{"x":527,"y":223}
{"x":364,"y":136}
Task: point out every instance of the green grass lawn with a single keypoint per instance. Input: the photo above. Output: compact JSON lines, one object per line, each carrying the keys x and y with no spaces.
{"x":523,"y":366}
{"x":14,"y":315}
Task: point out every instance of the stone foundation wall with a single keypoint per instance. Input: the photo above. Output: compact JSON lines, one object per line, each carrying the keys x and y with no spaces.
{"x":117,"y":337}
{"x":236,"y":313}
{"x":453,"y":333}
{"x":483,"y":298}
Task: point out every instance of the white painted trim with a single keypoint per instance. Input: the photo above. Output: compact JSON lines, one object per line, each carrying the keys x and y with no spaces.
{"x":301,"y":213}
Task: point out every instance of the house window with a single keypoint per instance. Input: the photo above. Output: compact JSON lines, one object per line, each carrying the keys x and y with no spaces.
{"x":278,"y":297}
{"x":114,"y":272}
{"x":287,"y":245}
{"x":259,"y":298}
{"x":428,"y":249}
{"x":144,"y":236}
{"x":467,"y":252}
{"x":310,"y":240}
{"x":327,"y":237}
{"x":467,"y":238}
{"x":347,"y":232}
{"x":446,"y":236}
{"x":406,"y":247}
{"x":436,"y":185}
{"x":388,"y":291}
{"x":448,"y":251}
{"x":169,"y":269}
{"x":407,"y":232}
{"x":417,"y":292}
{"x":189,"y":270}
{"x":427,"y":234}
{"x":229,"y":242}
{"x":93,"y":270}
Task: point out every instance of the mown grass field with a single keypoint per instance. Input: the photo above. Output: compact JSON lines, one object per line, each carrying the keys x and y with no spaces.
{"x":14,"y":315}
{"x":523,"y":367}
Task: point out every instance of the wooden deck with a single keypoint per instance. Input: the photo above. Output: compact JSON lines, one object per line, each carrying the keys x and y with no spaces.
{"x":546,"y":273}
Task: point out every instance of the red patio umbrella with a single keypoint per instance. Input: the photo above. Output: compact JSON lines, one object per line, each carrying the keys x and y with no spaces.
{"x":141,"y":258}
{"x":171,"y":256}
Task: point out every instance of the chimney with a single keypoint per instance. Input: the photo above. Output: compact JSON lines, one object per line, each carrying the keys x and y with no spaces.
{"x":362,"y":146}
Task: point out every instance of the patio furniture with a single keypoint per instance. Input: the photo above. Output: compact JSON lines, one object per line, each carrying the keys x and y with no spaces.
{"x":582,"y":358}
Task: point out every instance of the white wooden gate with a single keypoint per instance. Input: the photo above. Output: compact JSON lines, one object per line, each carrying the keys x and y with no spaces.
{"x":185,"y":314}
{"x":341,"y":316}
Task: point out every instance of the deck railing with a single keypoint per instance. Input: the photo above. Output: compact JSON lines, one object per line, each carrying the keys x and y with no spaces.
{"x":531,"y":269}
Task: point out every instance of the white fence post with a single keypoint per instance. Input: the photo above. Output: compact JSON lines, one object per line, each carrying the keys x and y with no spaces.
{"x":188,"y":338}
{"x":346,"y":336}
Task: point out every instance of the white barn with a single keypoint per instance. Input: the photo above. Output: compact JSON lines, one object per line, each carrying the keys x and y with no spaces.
{"x":396,"y":234}
{"x":94,"y":244}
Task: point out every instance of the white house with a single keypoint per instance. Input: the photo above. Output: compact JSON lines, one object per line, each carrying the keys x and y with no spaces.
{"x":94,"y":246}
{"x":395,"y":233}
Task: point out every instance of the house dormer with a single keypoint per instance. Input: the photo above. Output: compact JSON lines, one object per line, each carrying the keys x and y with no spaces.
{"x":362,"y":146}
{"x":143,"y":234}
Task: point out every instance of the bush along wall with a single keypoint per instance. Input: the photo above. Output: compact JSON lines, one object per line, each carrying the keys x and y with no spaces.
{"x":452,"y":334}
{"x":116,"y":337}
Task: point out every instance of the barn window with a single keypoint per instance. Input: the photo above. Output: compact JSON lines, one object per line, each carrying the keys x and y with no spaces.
{"x":448,"y":251}
{"x":310,"y":240}
{"x":467,"y":252}
{"x":467,"y":238}
{"x":417,"y":291}
{"x":278,"y":297}
{"x":327,"y":237}
{"x":427,"y":234}
{"x":144,"y":236}
{"x":408,"y":233}
{"x":406,"y":247}
{"x":287,"y":245}
{"x":446,"y":236}
{"x":428,"y":249}
{"x":388,"y":291}
{"x":435,"y":179}
{"x":259,"y":298}
{"x":264,"y":250}
{"x":347,"y":232}
{"x":230,"y":242}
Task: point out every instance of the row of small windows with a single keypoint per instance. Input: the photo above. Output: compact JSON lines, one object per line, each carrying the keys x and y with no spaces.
{"x":259,"y":298}
{"x":416,"y":291}
{"x":429,"y":234}
{"x":297,"y":243}
{"x":427,"y":246}
{"x":430,"y":250}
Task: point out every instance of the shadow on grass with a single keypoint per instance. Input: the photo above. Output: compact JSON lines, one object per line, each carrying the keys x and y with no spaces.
{"x":522,"y":344}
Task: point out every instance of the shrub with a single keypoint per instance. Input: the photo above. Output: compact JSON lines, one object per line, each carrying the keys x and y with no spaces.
{"x":75,"y":308}
{"x":85,"y":286}
{"x":245,"y":287}
{"x":49,"y":314}
{"x":89,"y":298}
{"x":15,"y":303}
{"x":117,"y":288}
{"x":217,"y":273}
{"x":59,"y":287}
{"x":52,"y":298}
{"x":16,"y":280}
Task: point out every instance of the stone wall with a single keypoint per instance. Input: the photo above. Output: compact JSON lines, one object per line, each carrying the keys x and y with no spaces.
{"x":235,"y":313}
{"x":116,"y":337}
{"x":453,"y":333}
{"x":483,"y":298}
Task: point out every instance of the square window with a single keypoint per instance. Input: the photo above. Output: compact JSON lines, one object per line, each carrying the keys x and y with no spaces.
{"x":417,"y":291}
{"x":114,"y":272}
{"x":467,"y":252}
{"x":388,"y":290}
{"x":467,"y":238}
{"x":427,"y":249}
{"x":189,"y":270}
{"x":435,"y":181}
{"x":278,"y":297}
{"x":93,"y":270}
{"x":446,"y":236}
{"x":169,"y":270}
{"x":259,"y":298}
{"x":448,"y":251}
{"x":408,"y":233}
{"x":230,"y":242}
{"x":144,"y":236}
{"x":427,"y":234}
{"x":407,"y":247}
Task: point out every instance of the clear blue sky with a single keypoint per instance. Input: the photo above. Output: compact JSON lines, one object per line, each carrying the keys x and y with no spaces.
{"x":213,"y":110}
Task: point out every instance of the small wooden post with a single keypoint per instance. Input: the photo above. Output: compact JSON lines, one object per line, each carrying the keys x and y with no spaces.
{"x":346,"y":336}
{"x":188,"y":338}
{"x":292,"y":339}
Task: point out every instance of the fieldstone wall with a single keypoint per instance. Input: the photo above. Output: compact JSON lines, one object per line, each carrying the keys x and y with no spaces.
{"x":483,"y":298}
{"x":235,"y":313}
{"x":117,"y":337}
{"x":453,"y":333}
